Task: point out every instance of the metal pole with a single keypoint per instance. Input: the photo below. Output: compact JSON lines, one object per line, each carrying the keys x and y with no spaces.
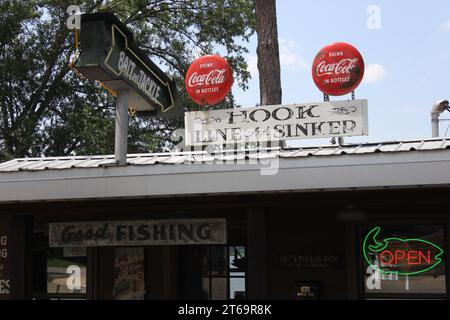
{"x":341,"y":139}
{"x":435,"y":125}
{"x":120,"y":145}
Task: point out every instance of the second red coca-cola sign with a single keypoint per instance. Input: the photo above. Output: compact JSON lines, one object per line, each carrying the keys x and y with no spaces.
{"x":209,"y":80}
{"x":338,"y":69}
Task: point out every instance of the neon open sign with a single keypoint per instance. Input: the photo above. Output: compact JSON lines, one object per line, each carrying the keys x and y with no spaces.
{"x":400,"y":256}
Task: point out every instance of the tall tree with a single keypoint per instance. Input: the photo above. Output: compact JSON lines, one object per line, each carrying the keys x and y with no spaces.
{"x":270,"y":94}
{"x":268,"y":52}
{"x":45,"y":109}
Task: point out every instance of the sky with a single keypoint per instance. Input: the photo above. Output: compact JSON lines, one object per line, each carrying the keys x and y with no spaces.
{"x":406,"y":48}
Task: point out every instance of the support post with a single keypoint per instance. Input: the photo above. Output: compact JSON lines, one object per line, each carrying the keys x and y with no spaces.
{"x":121,"y":134}
{"x":257,"y":254}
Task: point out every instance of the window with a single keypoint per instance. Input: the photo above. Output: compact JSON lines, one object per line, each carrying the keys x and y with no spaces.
{"x":58,"y":273}
{"x":237,"y":272}
{"x":66,"y":270}
{"x":403,"y":260}
{"x":224,"y":271}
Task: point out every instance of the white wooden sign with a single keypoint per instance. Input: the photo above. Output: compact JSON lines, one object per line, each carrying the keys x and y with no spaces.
{"x":130,"y":233}
{"x":276,"y":123}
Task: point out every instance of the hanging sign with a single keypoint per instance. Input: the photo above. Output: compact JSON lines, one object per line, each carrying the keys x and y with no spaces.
{"x":110,"y":56}
{"x":338,"y":69}
{"x":209,"y":80}
{"x":409,"y":256}
{"x":126,"y":233}
{"x":276,"y":123}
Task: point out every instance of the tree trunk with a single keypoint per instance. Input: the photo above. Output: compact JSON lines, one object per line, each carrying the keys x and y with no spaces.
{"x":268,"y":52}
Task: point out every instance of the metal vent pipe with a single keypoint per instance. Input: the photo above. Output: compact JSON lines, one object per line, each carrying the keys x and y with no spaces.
{"x":436,"y":110}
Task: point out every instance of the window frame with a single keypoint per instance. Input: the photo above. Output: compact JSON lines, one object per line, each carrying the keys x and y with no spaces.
{"x":45,"y":295}
{"x":228,"y":272}
{"x":36,"y":295}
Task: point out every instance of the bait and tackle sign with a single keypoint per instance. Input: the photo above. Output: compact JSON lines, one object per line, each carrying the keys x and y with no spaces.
{"x":110,"y":56}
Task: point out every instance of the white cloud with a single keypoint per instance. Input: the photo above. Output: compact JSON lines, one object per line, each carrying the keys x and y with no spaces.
{"x":445,"y":26}
{"x":289,"y":58}
{"x":374,"y":72}
{"x":288,"y":55}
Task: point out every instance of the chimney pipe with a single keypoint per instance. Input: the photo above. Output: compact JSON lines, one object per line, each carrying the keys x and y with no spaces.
{"x":436,"y":110}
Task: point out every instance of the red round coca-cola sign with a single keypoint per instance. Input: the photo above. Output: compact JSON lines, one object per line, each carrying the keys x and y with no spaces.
{"x":209,"y":80}
{"x":338,"y":69}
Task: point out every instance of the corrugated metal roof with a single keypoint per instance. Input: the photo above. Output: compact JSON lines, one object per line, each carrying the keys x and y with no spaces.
{"x":201,"y":157}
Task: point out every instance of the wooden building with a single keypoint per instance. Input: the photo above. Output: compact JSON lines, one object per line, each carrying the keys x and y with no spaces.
{"x":258,"y":224}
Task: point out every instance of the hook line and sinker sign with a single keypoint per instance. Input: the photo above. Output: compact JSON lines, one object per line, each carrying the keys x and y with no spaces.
{"x":110,"y":56}
{"x":147,"y":232}
{"x":277,"y":123}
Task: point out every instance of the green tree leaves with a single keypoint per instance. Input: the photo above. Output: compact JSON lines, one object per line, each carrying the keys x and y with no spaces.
{"x":45,"y":109}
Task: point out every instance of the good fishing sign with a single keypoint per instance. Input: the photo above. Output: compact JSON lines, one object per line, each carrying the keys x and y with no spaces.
{"x":401,"y":256}
{"x":277,"y":123}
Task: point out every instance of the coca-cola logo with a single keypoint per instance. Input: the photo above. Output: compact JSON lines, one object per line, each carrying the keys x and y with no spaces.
{"x":209,"y":80}
{"x":213,"y":77}
{"x":338,"y":69}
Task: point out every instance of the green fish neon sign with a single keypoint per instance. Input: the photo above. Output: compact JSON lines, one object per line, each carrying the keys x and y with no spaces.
{"x":401,"y":256}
